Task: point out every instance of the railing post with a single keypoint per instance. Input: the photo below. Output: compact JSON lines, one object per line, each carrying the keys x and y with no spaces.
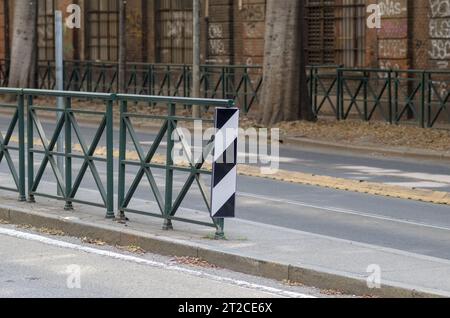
{"x":169,"y":81}
{"x":186,"y":92}
{"x":390,"y":104}
{"x":224,"y":79}
{"x":340,"y":95}
{"x":109,"y":160}
{"x":89,"y":76}
{"x":21,"y":121}
{"x":206,"y":86}
{"x":366,"y":79}
{"x":122,"y":157}
{"x":30,"y":145}
{"x":153,"y":80}
{"x":422,"y":100}
{"x":220,"y":229}
{"x":316,"y":89}
{"x":396,"y":88}
{"x":149,"y":81}
{"x":311,"y":90}
{"x":68,"y":153}
{"x":49,"y":75}
{"x":246,"y":80}
{"x":169,"y":171}
{"x":430,"y":100}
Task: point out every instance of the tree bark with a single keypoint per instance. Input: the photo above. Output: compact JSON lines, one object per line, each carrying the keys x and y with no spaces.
{"x":285,"y":95}
{"x":23,"y":44}
{"x":122,"y":47}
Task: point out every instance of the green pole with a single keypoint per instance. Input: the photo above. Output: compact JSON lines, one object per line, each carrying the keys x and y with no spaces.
{"x":122,"y":157}
{"x":21,"y":114}
{"x":366,"y":80}
{"x":429,"y":119}
{"x":220,"y":229}
{"x":109,"y":160}
{"x":391,"y":106}
{"x":246,"y":79}
{"x":30,"y":145}
{"x":169,"y":171}
{"x":68,"y":153}
{"x":422,"y":100}
{"x":340,"y":94}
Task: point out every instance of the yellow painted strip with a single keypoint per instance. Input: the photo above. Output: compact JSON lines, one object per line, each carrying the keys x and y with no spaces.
{"x":371,"y":188}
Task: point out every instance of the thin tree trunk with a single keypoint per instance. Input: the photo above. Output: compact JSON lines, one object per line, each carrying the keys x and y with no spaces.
{"x":122,"y":46}
{"x":23,"y":44}
{"x":285,"y":94}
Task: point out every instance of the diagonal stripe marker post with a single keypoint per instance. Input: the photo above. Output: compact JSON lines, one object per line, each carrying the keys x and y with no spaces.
{"x":224,"y":177}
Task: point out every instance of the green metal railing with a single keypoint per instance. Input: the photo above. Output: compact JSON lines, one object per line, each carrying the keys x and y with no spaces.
{"x":39,"y":140}
{"x":168,"y":205}
{"x":241,"y":83}
{"x":4,"y":73}
{"x":67,"y":127}
{"x":395,"y":96}
{"x":16,"y":124}
{"x":323,"y":84}
{"x":421,"y":97}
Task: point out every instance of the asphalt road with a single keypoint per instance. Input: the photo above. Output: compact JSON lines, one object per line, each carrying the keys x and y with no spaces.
{"x":400,"y":224}
{"x":406,"y":172}
{"x":49,"y":267}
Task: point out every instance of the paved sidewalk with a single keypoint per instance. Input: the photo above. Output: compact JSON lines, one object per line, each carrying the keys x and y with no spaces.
{"x":251,"y":248}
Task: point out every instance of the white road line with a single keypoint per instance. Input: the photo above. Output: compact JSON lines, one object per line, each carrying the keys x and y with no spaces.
{"x":342,"y":211}
{"x":381,"y":172}
{"x":306,"y":205}
{"x":143,"y":261}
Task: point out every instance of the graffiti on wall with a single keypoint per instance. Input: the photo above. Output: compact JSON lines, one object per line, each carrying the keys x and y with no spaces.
{"x":392,"y":8}
{"x":439,"y":30}
{"x":393,"y":34}
{"x":253,"y":27}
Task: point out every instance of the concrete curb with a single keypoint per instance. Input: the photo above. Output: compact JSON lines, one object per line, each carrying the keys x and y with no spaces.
{"x":113,"y":235}
{"x":429,"y":155}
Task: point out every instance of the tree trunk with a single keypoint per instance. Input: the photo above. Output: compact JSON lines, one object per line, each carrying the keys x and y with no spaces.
{"x":285,"y":95}
{"x":122,"y":47}
{"x":23,"y":44}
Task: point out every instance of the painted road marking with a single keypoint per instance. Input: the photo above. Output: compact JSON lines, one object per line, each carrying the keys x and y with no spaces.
{"x":143,"y":261}
{"x":342,"y":211}
{"x":48,"y":184}
{"x":419,"y":185}
{"x":380,"y":172}
{"x":343,"y":184}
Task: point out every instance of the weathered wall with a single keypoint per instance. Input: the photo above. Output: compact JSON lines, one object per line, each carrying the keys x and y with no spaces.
{"x":439,"y":33}
{"x":393,"y":35}
{"x":414,"y":34}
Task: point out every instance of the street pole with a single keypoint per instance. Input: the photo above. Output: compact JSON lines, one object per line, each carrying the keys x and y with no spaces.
{"x":59,"y":69}
{"x":196,"y":110}
{"x":122,"y":47}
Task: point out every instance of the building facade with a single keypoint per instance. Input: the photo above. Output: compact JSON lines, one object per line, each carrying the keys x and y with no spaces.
{"x":414,"y":34}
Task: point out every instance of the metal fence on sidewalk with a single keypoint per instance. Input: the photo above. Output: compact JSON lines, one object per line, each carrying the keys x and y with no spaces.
{"x":37,"y":139}
{"x":419,"y":97}
{"x":241,"y":83}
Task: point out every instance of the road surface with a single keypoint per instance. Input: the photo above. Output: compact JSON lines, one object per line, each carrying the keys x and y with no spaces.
{"x":392,"y":223}
{"x":36,"y":266}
